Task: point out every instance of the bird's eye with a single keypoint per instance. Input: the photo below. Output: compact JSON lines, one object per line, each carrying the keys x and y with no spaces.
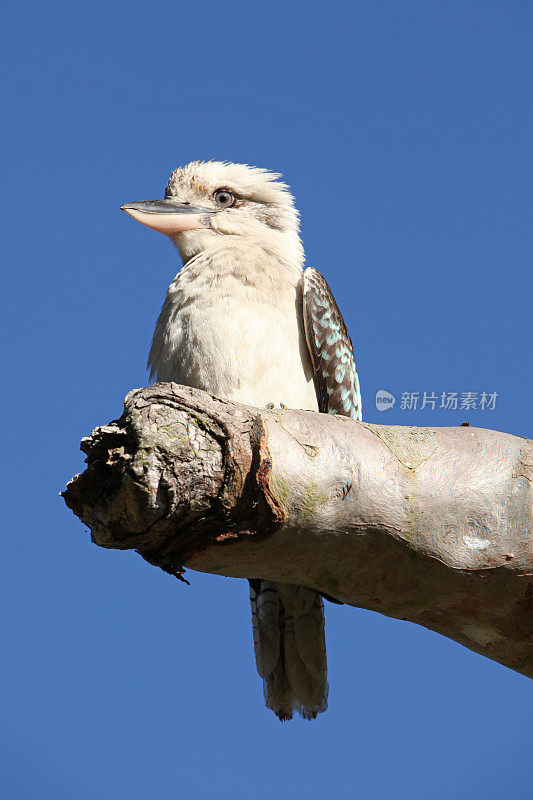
{"x":223,"y":198}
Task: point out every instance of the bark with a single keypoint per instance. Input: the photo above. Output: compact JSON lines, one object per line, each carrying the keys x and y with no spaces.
{"x":431,"y":525}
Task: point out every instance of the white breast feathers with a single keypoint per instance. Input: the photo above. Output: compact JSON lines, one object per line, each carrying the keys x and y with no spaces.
{"x":232,"y":325}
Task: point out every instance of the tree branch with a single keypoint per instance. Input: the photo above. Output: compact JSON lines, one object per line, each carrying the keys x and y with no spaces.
{"x":431,"y":525}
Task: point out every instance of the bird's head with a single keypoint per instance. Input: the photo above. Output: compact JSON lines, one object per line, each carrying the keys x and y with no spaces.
{"x":210,"y":204}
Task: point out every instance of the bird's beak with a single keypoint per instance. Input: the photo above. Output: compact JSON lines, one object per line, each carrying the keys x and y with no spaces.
{"x":169,"y":216}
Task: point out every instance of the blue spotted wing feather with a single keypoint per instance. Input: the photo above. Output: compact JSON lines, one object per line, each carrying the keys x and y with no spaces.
{"x":331,"y":349}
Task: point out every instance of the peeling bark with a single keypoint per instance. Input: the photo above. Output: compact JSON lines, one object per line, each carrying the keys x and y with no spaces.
{"x":431,"y":525}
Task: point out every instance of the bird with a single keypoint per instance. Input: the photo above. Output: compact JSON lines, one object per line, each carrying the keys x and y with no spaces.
{"x":244,"y":321}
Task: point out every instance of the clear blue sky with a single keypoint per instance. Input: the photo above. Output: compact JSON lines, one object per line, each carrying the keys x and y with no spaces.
{"x":404,"y":129}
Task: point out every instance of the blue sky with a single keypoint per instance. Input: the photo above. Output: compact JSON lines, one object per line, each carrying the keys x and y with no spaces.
{"x":405,"y":132}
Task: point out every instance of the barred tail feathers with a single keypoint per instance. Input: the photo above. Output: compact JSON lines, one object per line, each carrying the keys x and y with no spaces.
{"x":290,"y":648}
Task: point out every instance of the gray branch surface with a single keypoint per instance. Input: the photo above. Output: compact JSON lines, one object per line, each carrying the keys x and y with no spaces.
{"x":430,"y":525}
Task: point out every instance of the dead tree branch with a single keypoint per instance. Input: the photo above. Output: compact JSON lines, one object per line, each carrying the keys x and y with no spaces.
{"x":431,"y":525}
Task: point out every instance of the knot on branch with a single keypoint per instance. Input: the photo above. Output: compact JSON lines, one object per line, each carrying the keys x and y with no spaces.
{"x":178,"y":472}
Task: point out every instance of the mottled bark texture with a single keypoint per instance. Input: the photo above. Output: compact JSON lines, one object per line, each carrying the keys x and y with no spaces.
{"x":431,"y":525}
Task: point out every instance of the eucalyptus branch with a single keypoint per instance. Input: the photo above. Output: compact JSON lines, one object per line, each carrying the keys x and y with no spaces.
{"x":430,"y":525}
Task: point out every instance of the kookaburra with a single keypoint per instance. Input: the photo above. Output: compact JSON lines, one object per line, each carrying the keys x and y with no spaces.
{"x":244,"y":322}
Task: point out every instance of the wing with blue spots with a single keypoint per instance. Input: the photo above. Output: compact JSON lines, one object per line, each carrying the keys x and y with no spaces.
{"x":331,"y":349}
